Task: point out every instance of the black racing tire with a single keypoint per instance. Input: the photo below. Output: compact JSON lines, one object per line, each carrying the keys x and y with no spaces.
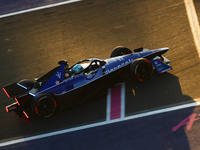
{"x":44,"y":105}
{"x":119,"y":51}
{"x":27,"y":83}
{"x":141,"y":69}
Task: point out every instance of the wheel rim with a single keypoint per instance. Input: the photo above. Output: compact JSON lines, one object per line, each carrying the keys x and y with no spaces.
{"x":46,"y":107}
{"x":143,"y":71}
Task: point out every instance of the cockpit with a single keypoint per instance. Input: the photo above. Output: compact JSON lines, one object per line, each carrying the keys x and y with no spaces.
{"x":84,"y":66}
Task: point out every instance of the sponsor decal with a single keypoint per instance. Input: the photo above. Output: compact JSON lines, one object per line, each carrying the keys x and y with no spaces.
{"x":40,"y":83}
{"x":66,"y":74}
{"x":58,"y":74}
{"x":160,"y":66}
{"x":166,"y":70}
{"x":120,"y":65}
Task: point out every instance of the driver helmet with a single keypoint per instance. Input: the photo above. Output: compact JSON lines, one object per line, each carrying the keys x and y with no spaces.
{"x":77,"y":68}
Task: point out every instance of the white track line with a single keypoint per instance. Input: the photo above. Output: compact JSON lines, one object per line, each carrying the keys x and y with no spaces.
{"x":39,"y":8}
{"x":123,"y":100}
{"x":108,"y":105}
{"x":194,"y":23}
{"x":197,"y":103}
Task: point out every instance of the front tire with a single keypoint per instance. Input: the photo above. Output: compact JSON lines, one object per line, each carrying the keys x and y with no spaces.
{"x":119,"y":51}
{"x":44,"y":105}
{"x":141,"y":69}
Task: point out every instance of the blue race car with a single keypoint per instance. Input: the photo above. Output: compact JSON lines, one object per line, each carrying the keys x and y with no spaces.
{"x":65,"y":86}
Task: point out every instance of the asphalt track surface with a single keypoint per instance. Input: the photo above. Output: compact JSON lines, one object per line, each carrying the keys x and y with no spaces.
{"x":32,"y":43}
{"x":162,"y":131}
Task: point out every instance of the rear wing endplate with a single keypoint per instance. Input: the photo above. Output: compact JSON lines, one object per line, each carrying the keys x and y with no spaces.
{"x":14,"y":89}
{"x":160,"y":66}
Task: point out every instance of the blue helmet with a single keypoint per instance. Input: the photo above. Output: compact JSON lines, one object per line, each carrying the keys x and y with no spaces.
{"x":77,"y":68}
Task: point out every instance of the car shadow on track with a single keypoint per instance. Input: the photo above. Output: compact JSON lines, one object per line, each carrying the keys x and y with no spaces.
{"x":90,"y":112}
{"x":161,"y":91}
{"x":156,"y":132}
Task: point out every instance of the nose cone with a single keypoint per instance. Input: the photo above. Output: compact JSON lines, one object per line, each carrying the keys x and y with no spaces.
{"x":165,"y":49}
{"x":156,"y":52}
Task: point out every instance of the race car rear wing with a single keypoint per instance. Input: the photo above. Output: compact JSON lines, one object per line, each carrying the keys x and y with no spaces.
{"x":14,"y":89}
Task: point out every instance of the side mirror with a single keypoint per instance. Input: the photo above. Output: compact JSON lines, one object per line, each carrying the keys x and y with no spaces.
{"x":63,"y":62}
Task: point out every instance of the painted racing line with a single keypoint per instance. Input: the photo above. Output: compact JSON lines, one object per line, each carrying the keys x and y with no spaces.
{"x":116,"y":102}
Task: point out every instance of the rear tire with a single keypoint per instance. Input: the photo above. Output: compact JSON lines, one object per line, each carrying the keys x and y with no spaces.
{"x":141,"y":69}
{"x":119,"y":51}
{"x":44,"y":105}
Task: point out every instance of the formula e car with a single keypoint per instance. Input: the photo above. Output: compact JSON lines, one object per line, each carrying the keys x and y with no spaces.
{"x":65,"y":86}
